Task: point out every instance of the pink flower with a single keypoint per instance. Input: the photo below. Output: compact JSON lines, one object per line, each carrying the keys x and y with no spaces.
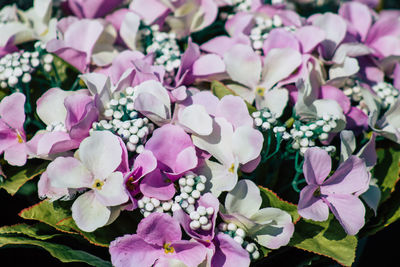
{"x":158,"y":241}
{"x":97,"y":168}
{"x":12,"y":134}
{"x":92,"y":8}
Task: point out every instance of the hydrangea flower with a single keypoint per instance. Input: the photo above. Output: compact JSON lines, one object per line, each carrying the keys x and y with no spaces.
{"x":233,"y":141}
{"x":157,"y":242}
{"x":68,"y":116}
{"x":270,"y":227}
{"x":96,"y":48}
{"x":94,"y":168}
{"x":12,"y":133}
{"x":338,"y":193}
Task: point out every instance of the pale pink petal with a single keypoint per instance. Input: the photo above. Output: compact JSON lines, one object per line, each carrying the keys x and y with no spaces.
{"x":68,"y":172}
{"x":243,"y":65}
{"x":101,"y":153}
{"x":88,"y":213}
{"x":317,"y":165}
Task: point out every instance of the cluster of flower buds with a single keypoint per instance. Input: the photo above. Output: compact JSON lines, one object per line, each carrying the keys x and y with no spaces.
{"x":149,"y":205}
{"x":165,"y":48}
{"x":262,"y":26}
{"x":56,"y":127}
{"x":239,"y":235}
{"x":18,"y":66}
{"x":305,"y":135}
{"x":121,"y":118}
{"x":266,"y":120}
{"x":201,"y":218}
{"x":191,"y":187}
{"x":387,"y":93}
{"x":242,"y":5}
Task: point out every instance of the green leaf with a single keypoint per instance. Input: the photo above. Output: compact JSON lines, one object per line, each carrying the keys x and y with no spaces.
{"x":220,"y":90}
{"x":61,"y":252}
{"x":387,"y":169}
{"x":58,"y":215}
{"x":51,"y":213}
{"x":39,"y":231}
{"x":325,"y":238}
{"x":270,"y":199}
{"x":15,"y":182}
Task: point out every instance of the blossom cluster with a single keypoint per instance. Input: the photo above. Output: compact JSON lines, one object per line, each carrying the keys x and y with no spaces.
{"x":158,"y":113}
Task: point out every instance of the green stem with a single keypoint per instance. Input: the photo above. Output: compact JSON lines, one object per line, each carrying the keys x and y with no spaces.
{"x":56,"y":73}
{"x":75,"y":84}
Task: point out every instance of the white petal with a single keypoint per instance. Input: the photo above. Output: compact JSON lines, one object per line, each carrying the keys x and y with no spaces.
{"x":275,"y":100}
{"x":88,"y":213}
{"x":196,"y":119}
{"x":243,"y":65}
{"x":112,"y":193}
{"x":279,"y":64}
{"x":50,"y":106}
{"x":129,"y":28}
{"x":101,"y":153}
{"x":244,"y":199}
{"x":247,"y":143}
{"x":222,"y":178}
{"x":347,"y":68}
{"x":219,"y":142}
{"x":68,"y":173}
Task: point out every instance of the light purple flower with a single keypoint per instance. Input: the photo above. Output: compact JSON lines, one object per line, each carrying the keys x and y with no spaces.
{"x":184,"y":17}
{"x":270,"y":227}
{"x":339,"y":193}
{"x":224,"y":129}
{"x":158,"y":241}
{"x":382,"y":36}
{"x":173,"y":149}
{"x":68,"y":116}
{"x":95,"y":168}
{"x":96,"y":48}
{"x":12,"y":134}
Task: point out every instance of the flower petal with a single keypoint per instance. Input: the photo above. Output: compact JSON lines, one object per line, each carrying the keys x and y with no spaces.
{"x":88,"y":213}
{"x":101,"y":153}
{"x":229,"y":253}
{"x":317,"y":165}
{"x":279,"y":64}
{"x":68,"y":173}
{"x":131,"y":250}
{"x":234,"y":110}
{"x":349,"y":210}
{"x":112,"y":192}
{"x":12,"y":110}
{"x":247,"y":143}
{"x":244,"y":199}
{"x":351,"y":177}
{"x":311,"y":207}
{"x":159,"y":229}
{"x":243,"y":65}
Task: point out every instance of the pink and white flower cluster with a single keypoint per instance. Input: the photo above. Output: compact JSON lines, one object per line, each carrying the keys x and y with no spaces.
{"x":145,"y":131}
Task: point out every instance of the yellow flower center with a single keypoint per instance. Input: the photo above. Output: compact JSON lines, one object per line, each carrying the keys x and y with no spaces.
{"x":98,"y":184}
{"x":168,"y":248}
{"x":232,"y":168}
{"x":20,"y":140}
{"x":260,"y":91}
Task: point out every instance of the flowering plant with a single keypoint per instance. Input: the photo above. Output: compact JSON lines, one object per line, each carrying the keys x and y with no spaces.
{"x":199,"y":132}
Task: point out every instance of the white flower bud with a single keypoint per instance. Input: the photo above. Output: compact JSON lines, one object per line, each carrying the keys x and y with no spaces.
{"x":194,"y":225}
{"x":232,"y":227}
{"x":240,"y":232}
